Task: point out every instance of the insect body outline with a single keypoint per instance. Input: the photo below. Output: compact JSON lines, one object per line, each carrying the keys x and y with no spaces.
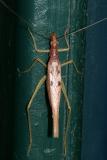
{"x":42,"y":81}
{"x":39,"y":60}
{"x":54,"y":85}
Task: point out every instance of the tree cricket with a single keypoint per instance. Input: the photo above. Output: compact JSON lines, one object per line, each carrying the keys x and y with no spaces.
{"x":54,"y":82}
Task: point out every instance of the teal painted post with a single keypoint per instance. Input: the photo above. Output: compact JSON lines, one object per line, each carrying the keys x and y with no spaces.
{"x":45,"y":17}
{"x":95,"y":99}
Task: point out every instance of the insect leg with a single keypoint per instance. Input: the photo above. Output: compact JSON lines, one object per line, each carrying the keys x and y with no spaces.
{"x":65,"y":49}
{"x":32,"y":65}
{"x":40,"y":61}
{"x":35,"y":45}
{"x":42,"y":80}
{"x":68,"y":119}
{"x":71,"y":62}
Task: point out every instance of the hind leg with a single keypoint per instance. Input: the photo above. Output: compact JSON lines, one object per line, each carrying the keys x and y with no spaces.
{"x":42,"y":80}
{"x":68,"y":118}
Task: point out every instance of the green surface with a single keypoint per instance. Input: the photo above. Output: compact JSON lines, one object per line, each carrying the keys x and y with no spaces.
{"x":45,"y":17}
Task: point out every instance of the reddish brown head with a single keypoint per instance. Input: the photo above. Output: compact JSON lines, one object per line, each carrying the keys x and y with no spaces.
{"x":53,"y":48}
{"x":53,"y":39}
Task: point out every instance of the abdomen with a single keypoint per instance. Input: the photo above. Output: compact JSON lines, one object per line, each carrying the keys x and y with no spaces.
{"x":54,"y":92}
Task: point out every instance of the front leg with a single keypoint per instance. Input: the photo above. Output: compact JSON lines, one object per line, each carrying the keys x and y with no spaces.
{"x":67,"y":43}
{"x":35,"y":45}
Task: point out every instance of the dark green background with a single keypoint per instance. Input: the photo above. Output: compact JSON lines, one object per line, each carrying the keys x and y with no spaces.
{"x":95,"y":101}
{"x":7,"y":80}
{"x":89,"y":53}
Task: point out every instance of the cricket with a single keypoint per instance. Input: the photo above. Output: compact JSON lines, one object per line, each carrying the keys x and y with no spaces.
{"x":53,"y":78}
{"x":54,"y":84}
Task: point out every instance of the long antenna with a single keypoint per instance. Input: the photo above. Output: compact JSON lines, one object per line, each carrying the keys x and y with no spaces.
{"x":14,"y":13}
{"x":84,"y":28}
{"x":25,"y":22}
{"x":29,"y":26}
